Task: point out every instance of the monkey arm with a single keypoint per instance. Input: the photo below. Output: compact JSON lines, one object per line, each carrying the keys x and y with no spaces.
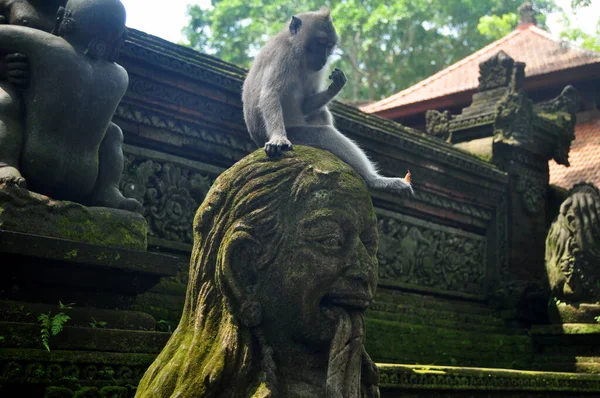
{"x":272,"y":112}
{"x":317,"y":101}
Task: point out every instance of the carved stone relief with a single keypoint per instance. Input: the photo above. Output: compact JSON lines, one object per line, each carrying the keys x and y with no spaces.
{"x":169,"y":193}
{"x":425,"y":254}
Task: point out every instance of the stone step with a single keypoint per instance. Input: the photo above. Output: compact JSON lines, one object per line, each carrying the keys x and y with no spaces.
{"x":418,"y":381}
{"x":27,"y":335}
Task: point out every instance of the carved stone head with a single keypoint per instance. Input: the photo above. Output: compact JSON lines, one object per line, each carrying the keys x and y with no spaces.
{"x":97,"y":25}
{"x":573,"y":249}
{"x":283,"y":268}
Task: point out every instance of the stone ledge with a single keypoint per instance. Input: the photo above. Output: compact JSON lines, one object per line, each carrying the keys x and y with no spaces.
{"x":29,"y":212}
{"x":69,"y":251}
{"x":448,"y":378}
{"x":27,"y":335}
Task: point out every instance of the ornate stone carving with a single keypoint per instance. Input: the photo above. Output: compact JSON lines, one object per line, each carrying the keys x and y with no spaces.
{"x":526,"y":14}
{"x":495,"y":72}
{"x":461,"y":382}
{"x":438,"y":124}
{"x":283,"y":269}
{"x":213,"y":110}
{"x":573,"y":252}
{"x":431,"y":256}
{"x":190,"y":63}
{"x":532,"y":188}
{"x":559,"y":115}
{"x":169,"y":194}
{"x":513,"y":122}
{"x":230,"y":146}
{"x":41,"y":142}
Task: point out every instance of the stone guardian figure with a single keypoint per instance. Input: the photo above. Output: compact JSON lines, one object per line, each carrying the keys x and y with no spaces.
{"x":283,"y":268}
{"x":573,"y":257}
{"x":56,"y":134}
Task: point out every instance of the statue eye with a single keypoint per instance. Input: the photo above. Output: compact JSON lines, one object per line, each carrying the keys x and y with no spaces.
{"x":330,"y":241}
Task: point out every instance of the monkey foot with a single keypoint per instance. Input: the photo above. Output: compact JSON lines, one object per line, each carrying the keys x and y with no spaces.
{"x":11,"y":176}
{"x":396,"y":185}
{"x":276,"y":146}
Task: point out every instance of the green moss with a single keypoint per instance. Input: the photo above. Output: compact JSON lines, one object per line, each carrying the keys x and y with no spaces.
{"x":397,"y":342}
{"x":114,"y":392}
{"x":58,"y":392}
{"x":88,"y":392}
{"x":71,"y":254}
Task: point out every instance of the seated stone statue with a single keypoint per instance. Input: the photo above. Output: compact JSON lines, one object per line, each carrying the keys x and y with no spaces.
{"x":283,"y":268}
{"x":38,"y":14}
{"x":573,"y":255}
{"x":56,"y":134}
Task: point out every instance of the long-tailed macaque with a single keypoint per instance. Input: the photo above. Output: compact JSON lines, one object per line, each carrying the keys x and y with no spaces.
{"x":285,"y":99}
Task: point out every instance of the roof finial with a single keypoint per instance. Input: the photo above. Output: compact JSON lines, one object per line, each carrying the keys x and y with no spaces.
{"x":526,"y":14}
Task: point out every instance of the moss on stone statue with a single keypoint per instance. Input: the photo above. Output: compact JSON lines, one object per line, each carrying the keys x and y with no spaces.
{"x":32,"y":213}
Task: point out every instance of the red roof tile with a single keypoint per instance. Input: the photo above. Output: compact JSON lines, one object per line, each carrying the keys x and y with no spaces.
{"x":584,"y":156}
{"x":537,"y":48}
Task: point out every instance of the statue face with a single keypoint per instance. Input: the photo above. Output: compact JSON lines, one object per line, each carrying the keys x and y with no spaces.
{"x":326,"y":264}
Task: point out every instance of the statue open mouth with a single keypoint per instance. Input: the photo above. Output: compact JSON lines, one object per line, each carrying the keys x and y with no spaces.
{"x":348,"y":301}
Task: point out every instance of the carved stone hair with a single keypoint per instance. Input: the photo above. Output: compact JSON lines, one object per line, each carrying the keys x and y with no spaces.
{"x":572,"y":264}
{"x":213,"y":352}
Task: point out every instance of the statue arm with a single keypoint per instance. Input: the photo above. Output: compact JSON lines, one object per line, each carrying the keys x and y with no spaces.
{"x":24,"y":40}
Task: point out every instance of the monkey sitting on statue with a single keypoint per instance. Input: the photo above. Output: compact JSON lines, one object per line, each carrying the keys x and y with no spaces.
{"x":285,"y":99}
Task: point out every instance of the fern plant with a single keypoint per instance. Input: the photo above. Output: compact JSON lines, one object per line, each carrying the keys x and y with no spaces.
{"x":51,"y":325}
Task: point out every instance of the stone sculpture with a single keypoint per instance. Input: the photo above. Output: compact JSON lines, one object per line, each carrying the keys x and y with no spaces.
{"x":56,"y":134}
{"x":283,"y":268}
{"x":573,"y":256}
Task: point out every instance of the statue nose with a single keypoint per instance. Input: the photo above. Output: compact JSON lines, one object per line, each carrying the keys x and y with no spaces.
{"x":356,"y":269}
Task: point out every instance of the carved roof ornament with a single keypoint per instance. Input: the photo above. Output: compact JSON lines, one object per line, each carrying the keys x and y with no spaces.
{"x":501,"y":109}
{"x":527,"y":14}
{"x":495,"y":71}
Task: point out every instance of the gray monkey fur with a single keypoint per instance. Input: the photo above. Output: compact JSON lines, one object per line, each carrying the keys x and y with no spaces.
{"x":285,"y":99}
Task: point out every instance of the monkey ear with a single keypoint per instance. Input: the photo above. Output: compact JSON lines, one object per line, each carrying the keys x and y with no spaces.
{"x":295,"y":24}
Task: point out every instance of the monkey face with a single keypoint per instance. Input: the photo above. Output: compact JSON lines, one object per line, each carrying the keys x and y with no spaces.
{"x":318,"y":52}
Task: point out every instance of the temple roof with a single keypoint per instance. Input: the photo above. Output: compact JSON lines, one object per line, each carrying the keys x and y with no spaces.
{"x":530,"y":44}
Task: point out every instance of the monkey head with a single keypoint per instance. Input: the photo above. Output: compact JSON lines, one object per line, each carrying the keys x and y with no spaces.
{"x":97,"y":25}
{"x":314,"y":37}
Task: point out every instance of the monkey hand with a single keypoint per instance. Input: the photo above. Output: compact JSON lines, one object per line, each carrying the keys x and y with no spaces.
{"x":277,"y":145}
{"x":11,"y":177}
{"x":17,"y":69}
{"x":338,"y":80}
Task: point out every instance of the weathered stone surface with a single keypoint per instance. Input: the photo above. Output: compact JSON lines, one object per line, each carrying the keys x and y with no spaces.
{"x":283,"y":268}
{"x":32,"y":213}
{"x":451,"y":382}
{"x":573,"y":257}
{"x":68,"y":148}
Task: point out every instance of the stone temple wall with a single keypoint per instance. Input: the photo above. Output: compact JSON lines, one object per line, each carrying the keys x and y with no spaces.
{"x":442,"y":253}
{"x":447,"y":294}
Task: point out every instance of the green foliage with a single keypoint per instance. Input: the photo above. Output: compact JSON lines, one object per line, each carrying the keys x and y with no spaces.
{"x":384,"y":46}
{"x":583,"y":39}
{"x":97,"y":324}
{"x":164,"y":326}
{"x":495,"y":26}
{"x":597,"y":318}
{"x":52,"y":325}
